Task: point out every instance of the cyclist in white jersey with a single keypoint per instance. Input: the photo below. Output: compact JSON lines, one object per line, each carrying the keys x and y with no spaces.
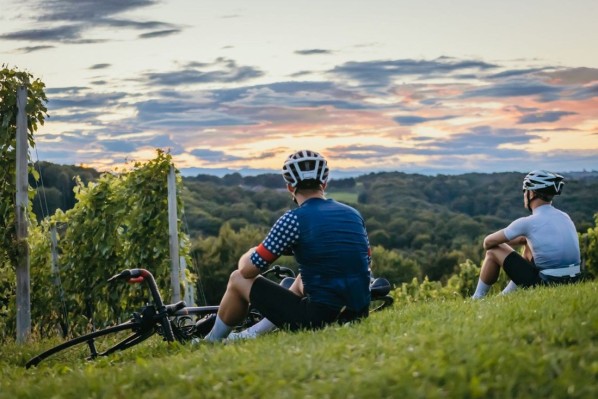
{"x":551,"y":246}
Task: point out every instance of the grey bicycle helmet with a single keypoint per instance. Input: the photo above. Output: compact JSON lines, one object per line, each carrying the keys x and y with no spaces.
{"x":305,"y":165}
{"x":543,"y":182}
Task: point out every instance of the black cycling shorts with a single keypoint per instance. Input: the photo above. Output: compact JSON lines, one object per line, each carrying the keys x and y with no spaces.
{"x":286,"y":309}
{"x":526,"y":274}
{"x":521,"y":271}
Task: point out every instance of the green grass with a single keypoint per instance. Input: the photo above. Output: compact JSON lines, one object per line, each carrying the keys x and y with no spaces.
{"x":540,"y":343}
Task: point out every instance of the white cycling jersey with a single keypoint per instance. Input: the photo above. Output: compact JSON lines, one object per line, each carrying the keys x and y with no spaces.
{"x":551,"y":236}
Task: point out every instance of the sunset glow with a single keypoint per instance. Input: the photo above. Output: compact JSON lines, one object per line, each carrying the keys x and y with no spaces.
{"x":382,"y":85}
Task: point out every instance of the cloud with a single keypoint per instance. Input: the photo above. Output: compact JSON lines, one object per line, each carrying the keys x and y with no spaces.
{"x":184,"y":113}
{"x":301,"y":74}
{"x":206,"y":154}
{"x":480,"y":140}
{"x":412,"y":120}
{"x":31,"y":49}
{"x":221,"y":71}
{"x":164,"y":106}
{"x":284,"y":88}
{"x":90,"y":100}
{"x":516,"y":72}
{"x":87,"y":10}
{"x":67,"y":21}
{"x":59,"y":33}
{"x":283,"y":102}
{"x":76,"y":117}
{"x":517,"y":88}
{"x":381,"y":73}
{"x":100,"y":66}
{"x":366,"y":152}
{"x":137,"y":25}
{"x":118,"y":145}
{"x":70,"y":90}
{"x":586,"y":92}
{"x":315,"y":51}
{"x":548,"y":116}
{"x":160,"y":33}
{"x":574,"y":75}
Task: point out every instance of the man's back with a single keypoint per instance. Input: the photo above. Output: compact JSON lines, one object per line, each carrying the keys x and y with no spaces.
{"x":551,"y":235}
{"x":333,"y":253}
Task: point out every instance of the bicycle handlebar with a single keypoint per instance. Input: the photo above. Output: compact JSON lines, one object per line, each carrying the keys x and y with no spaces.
{"x":132,"y":275}
{"x":138,"y":276}
{"x":280,"y":271}
{"x":141,"y":275}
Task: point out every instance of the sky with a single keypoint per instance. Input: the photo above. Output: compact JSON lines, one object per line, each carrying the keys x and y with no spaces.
{"x":429,"y":87}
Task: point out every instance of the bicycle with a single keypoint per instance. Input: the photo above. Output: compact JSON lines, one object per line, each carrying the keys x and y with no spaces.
{"x":173,"y":322}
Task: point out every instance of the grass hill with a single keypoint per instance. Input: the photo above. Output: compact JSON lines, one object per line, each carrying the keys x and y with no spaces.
{"x":539,"y":343}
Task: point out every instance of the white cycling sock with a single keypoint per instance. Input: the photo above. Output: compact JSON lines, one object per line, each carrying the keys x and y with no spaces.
{"x":219,"y":331}
{"x":481,"y":290}
{"x":262,"y":327}
{"x":509,"y":288}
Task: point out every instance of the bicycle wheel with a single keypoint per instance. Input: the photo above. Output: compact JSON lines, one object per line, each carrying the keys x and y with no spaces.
{"x":380,"y":303}
{"x":98,"y":343}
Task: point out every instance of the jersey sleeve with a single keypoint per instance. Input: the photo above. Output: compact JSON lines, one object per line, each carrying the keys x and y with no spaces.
{"x":517,"y":228}
{"x":279,"y":241}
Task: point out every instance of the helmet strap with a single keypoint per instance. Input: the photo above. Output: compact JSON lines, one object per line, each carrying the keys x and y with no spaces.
{"x":293,"y":191}
{"x":529,"y":200}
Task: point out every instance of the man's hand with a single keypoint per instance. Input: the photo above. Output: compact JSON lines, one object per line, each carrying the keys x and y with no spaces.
{"x":518,"y":241}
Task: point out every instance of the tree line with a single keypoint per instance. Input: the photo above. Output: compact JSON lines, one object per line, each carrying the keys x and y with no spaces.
{"x":419,"y":226}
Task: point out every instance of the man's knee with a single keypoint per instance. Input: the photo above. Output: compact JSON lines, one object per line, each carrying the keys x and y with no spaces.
{"x":499,"y":253}
{"x":235,"y":277}
{"x":238,"y":283}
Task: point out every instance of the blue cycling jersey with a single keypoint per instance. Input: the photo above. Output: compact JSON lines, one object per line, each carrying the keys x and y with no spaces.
{"x":330,"y":243}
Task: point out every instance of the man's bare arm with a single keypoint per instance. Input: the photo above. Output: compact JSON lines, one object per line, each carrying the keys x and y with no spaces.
{"x":246,"y":266}
{"x":494,"y":239}
{"x":497,"y":238}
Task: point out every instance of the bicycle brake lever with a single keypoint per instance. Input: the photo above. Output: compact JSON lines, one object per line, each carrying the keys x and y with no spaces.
{"x":129,"y":274}
{"x":121,"y":275}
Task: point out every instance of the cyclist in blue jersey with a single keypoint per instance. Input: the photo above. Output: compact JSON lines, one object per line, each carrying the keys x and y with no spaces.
{"x":551,"y":246}
{"x":329,"y":241}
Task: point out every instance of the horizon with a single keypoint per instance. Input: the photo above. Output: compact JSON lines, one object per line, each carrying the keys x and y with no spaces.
{"x":343,"y":174}
{"x":440,"y":88}
{"x":334,"y":174}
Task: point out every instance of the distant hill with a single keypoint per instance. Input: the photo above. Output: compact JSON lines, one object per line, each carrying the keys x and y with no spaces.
{"x":436,"y":221}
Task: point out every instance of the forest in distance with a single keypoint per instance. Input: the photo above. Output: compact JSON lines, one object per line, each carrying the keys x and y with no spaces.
{"x":430,"y":224}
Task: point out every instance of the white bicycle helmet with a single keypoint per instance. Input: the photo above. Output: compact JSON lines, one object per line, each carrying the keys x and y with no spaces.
{"x":543,"y":181}
{"x":305,"y":165}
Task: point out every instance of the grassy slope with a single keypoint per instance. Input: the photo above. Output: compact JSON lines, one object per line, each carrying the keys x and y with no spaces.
{"x":532,"y":344}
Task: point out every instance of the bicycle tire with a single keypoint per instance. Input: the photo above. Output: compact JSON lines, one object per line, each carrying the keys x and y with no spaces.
{"x":380,"y":303}
{"x":77,"y":344}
